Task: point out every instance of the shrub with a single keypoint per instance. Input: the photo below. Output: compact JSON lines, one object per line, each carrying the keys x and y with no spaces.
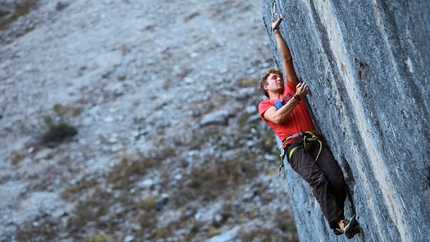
{"x":100,"y":237}
{"x":58,"y":128}
{"x":59,"y":132}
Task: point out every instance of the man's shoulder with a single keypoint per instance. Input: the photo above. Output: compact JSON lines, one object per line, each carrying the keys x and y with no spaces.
{"x":266,"y":102}
{"x":264,"y":105}
{"x":289,"y":86}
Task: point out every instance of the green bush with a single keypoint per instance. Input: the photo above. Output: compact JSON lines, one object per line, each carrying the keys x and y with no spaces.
{"x":58,"y":128}
{"x":58,"y":132}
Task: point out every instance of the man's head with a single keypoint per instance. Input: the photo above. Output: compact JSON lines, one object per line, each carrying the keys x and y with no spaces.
{"x":272,"y":81}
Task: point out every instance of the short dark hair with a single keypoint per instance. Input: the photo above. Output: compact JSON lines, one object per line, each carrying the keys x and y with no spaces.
{"x":263,"y":80}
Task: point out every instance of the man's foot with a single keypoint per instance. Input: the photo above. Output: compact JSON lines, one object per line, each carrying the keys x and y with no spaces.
{"x":338,"y":231}
{"x":351,"y":227}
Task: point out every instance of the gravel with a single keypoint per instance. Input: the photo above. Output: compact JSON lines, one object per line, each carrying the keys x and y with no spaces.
{"x":136,"y":79}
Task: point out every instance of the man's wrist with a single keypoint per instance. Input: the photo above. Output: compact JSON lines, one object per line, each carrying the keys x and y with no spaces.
{"x":276,"y":28}
{"x":297,"y":97}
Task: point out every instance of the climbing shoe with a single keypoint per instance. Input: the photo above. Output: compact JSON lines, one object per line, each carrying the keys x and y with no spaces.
{"x":337,"y":231}
{"x":351,"y":227}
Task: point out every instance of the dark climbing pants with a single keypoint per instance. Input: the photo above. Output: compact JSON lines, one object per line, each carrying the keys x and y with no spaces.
{"x":324,"y":176}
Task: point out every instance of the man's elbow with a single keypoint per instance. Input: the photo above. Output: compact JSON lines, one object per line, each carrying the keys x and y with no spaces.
{"x":288,"y":59}
{"x":278,"y":120}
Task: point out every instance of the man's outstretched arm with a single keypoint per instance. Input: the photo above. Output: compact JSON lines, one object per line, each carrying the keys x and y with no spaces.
{"x":285,"y":52}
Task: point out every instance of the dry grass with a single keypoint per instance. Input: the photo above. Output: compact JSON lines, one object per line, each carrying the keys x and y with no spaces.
{"x":41,"y":227}
{"x":212,"y":180}
{"x":16,"y":157}
{"x":91,"y":209}
{"x":105,"y":203}
{"x":128,"y":171}
{"x":96,"y":209}
{"x":75,"y":191}
{"x":20,"y":10}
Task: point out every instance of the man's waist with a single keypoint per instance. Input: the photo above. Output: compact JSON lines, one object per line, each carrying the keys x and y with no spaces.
{"x":300,"y":134}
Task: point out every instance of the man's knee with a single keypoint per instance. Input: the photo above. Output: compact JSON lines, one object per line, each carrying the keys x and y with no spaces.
{"x":318,"y":180}
{"x":338,"y":181}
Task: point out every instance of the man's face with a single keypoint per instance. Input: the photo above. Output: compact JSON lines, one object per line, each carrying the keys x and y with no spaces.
{"x":274,"y":83}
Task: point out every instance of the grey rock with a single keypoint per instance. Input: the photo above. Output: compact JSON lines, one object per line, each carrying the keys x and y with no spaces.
{"x":367,"y":66}
{"x":218,"y":117}
{"x":148,"y":183}
{"x":227,"y":236}
{"x":129,"y":238}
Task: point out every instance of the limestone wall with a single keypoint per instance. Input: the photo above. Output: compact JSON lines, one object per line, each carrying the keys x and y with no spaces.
{"x":367,"y":65}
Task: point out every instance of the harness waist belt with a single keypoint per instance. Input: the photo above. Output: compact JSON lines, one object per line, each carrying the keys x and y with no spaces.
{"x":312,"y":137}
{"x":297,"y":135}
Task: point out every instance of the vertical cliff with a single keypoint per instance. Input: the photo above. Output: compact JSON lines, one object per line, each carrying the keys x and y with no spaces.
{"x":367,"y":66}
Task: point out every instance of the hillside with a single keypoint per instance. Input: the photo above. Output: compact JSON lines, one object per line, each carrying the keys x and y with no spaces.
{"x":136,"y":121}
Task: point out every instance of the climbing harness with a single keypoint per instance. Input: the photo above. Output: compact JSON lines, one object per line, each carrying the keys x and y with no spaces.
{"x":308,"y":136}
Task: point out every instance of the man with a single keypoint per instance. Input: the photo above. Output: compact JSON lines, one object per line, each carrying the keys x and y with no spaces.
{"x":287,"y":114}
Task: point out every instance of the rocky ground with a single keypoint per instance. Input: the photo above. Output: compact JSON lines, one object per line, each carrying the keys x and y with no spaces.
{"x":136,"y":121}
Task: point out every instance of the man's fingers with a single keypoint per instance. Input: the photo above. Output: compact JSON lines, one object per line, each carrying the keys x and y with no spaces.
{"x":302,"y":88}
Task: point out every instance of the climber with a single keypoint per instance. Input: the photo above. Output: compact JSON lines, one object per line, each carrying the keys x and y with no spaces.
{"x":287,"y":114}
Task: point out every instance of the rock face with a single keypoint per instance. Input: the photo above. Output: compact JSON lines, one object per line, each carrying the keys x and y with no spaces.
{"x":367,"y":66}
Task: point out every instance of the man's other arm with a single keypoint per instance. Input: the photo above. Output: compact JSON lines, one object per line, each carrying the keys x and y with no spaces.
{"x":283,"y":48}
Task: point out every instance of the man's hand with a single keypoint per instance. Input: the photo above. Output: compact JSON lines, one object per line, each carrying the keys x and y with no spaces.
{"x":277,"y":22}
{"x":302,"y":89}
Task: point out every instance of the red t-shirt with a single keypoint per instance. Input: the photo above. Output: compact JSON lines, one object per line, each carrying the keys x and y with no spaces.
{"x":299,"y":120}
